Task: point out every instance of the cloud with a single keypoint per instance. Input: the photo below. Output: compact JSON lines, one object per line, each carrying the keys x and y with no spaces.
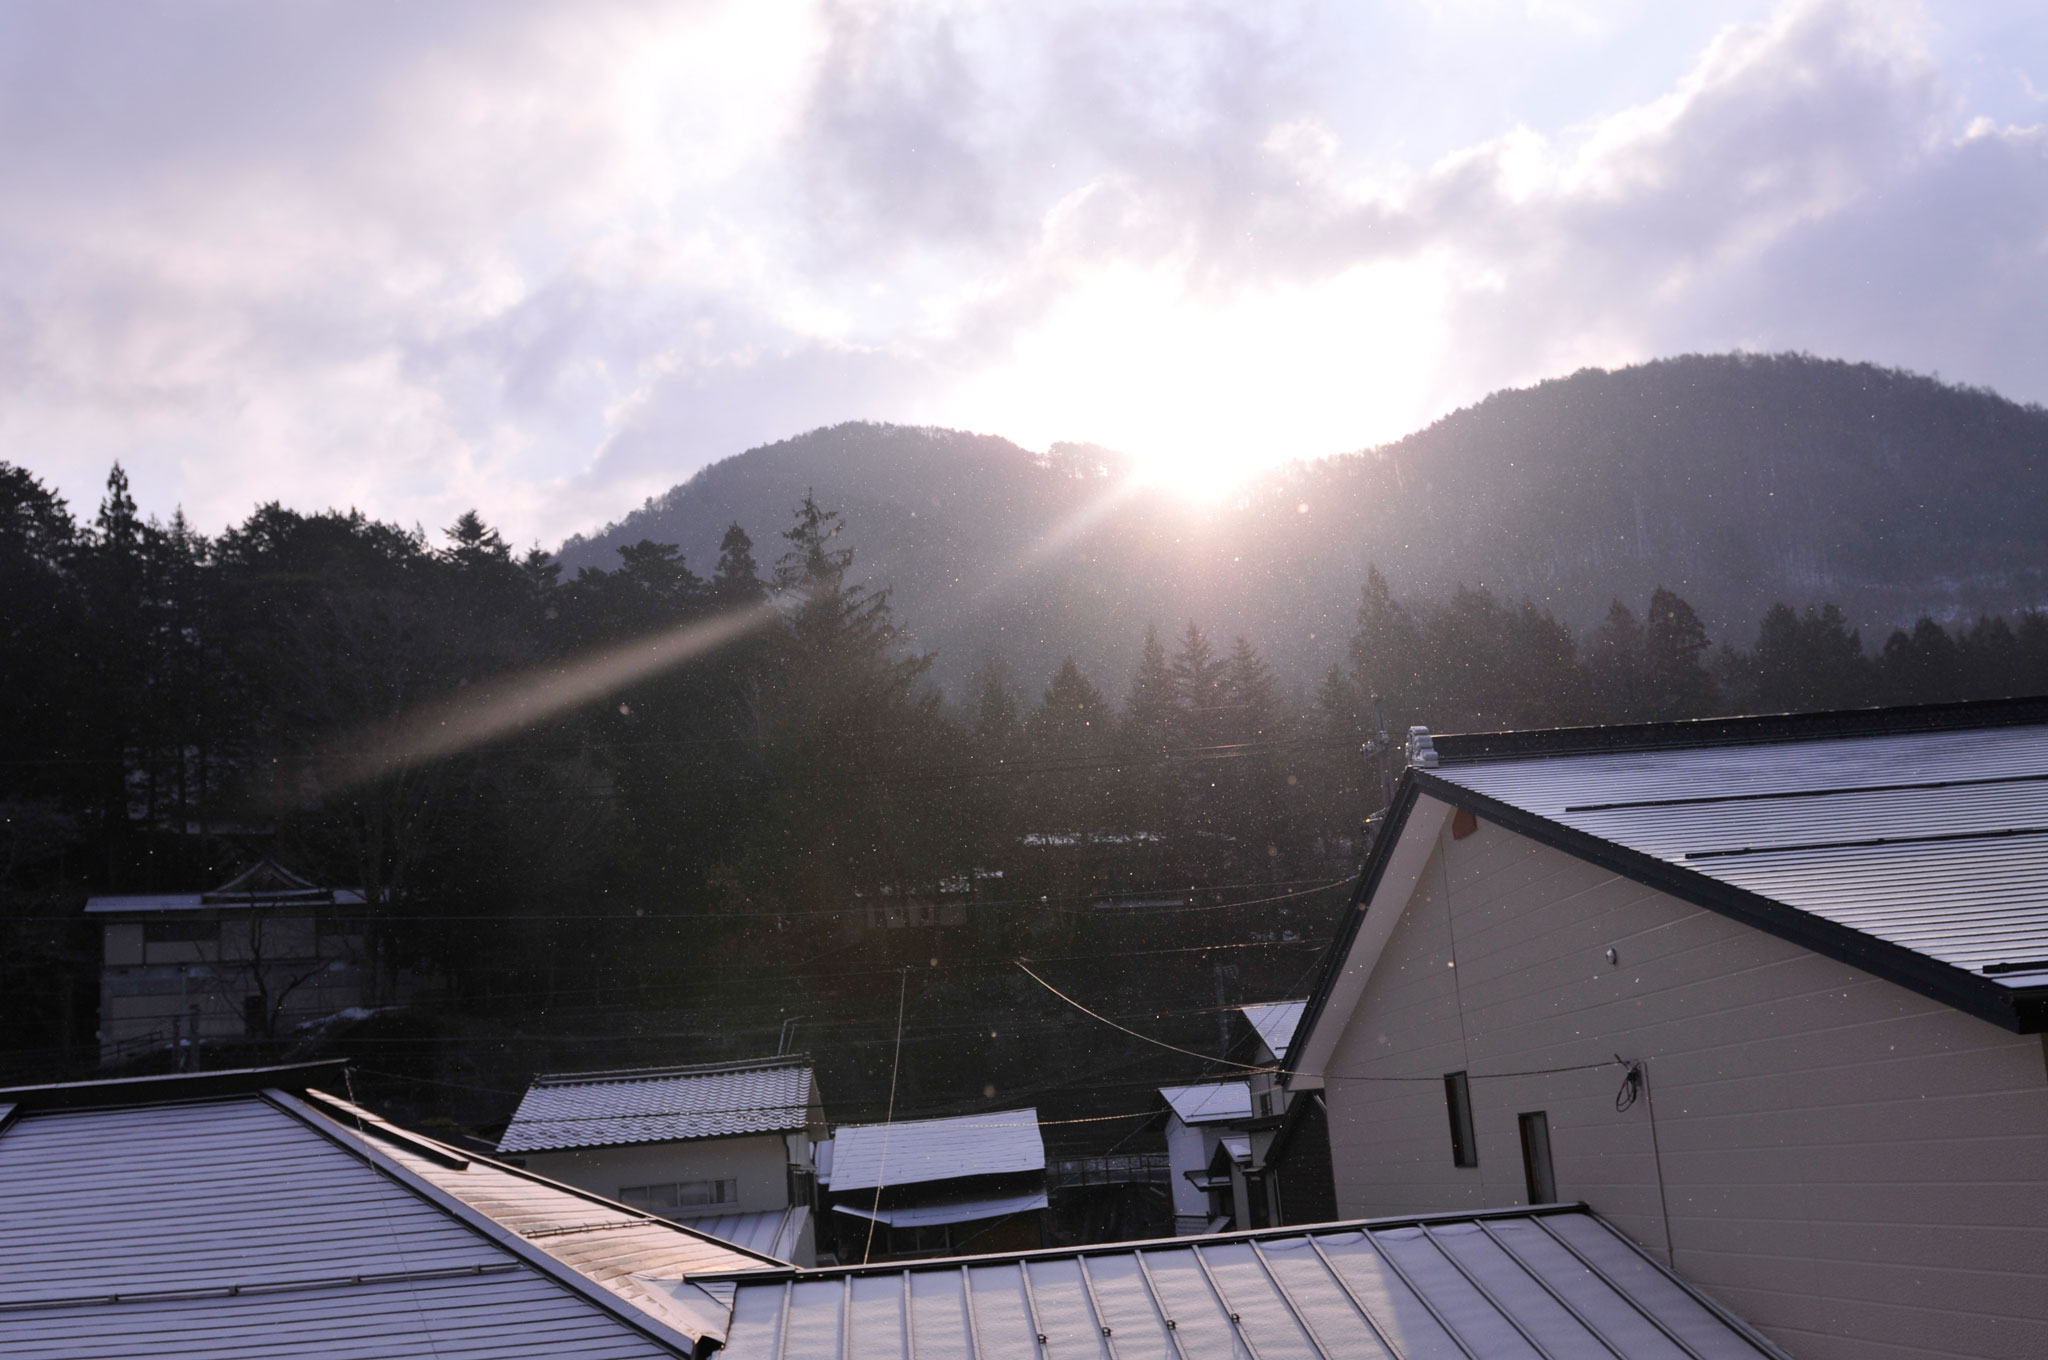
{"x":549,"y":259}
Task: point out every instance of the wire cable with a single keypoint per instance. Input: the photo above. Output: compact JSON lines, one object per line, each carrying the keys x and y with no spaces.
{"x":1158,"y":1043}
{"x":888,"y":1120}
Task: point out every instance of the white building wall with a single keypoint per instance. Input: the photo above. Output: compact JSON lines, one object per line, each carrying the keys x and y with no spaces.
{"x":1855,"y":1169}
{"x":759,"y":1163}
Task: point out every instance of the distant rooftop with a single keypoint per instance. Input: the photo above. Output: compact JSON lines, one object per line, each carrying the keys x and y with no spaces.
{"x":265,"y":883}
{"x":661,"y":1104}
{"x":1215,"y":1102}
{"x":1275,"y":1022}
{"x":915,"y":1151}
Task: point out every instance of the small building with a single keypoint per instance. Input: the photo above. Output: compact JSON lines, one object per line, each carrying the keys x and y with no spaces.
{"x":252,"y":1213}
{"x":1557,"y":1282}
{"x":725,"y":1144}
{"x":249,"y":961}
{"x":1197,"y":1119}
{"x":936,"y":1187}
{"x":1768,"y":993}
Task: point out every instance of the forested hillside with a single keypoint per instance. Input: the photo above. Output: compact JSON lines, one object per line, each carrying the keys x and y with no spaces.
{"x":1738,"y":481}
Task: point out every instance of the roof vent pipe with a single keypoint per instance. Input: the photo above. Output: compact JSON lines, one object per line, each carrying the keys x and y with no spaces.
{"x":1421,"y":751}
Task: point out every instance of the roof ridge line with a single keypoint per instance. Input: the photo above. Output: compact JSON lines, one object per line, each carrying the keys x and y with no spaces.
{"x":1742,"y":730}
{"x":681,"y":1070}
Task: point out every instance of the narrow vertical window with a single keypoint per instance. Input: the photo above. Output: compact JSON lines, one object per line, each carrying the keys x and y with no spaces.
{"x":1458,"y":1097}
{"x":1536,"y":1168}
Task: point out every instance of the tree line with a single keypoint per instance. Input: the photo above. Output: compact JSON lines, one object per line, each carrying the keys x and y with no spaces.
{"x":180,"y":703}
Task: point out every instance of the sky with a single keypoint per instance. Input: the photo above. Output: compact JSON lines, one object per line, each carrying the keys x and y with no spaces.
{"x":546,"y":260}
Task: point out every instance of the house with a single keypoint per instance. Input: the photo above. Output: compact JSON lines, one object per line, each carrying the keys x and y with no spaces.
{"x":1557,"y":1281}
{"x":930,"y":1187}
{"x":1767,"y":993}
{"x":726,"y":1147}
{"x":1285,"y":1175}
{"x":250,"y":960}
{"x":256,"y":1214}
{"x":1198,"y":1117}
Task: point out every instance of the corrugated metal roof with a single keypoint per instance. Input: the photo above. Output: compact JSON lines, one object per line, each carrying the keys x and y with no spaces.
{"x":965,"y":1209}
{"x":1552,"y":1283}
{"x":920,"y":1150}
{"x":228,"y":1226}
{"x":775,"y":1232}
{"x":1215,"y":1102}
{"x":1275,"y":1021}
{"x":660,"y":1105}
{"x":1936,"y":841}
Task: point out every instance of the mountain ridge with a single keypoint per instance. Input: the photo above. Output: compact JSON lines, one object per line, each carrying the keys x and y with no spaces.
{"x":1737,"y":480}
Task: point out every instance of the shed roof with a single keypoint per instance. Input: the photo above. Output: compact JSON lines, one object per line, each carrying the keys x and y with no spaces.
{"x":1213,"y":1102}
{"x":1275,"y":1022}
{"x":662,"y":1105}
{"x":234,"y":1222}
{"x":1553,"y":1281}
{"x":916,"y":1151}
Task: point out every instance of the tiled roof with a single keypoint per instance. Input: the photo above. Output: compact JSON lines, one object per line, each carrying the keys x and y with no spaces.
{"x":1215,"y":1102}
{"x":1927,"y":842}
{"x":660,"y":1105}
{"x":1275,"y":1022}
{"x":1519,"y":1283}
{"x":231,"y":1225}
{"x":912,"y":1152}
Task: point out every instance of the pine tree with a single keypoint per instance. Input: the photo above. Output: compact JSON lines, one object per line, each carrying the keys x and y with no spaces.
{"x":1149,"y":711}
{"x":1614,"y":660}
{"x":1199,"y":698}
{"x":1674,"y":641}
{"x":737,"y":581}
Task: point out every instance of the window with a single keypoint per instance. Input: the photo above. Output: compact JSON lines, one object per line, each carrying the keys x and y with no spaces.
{"x":1458,"y":1097}
{"x":1536,"y":1170}
{"x":179,"y":932}
{"x":253,"y":1016}
{"x":670,"y":1196}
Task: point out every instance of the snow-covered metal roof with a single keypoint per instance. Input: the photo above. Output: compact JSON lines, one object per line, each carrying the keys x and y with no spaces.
{"x":661,"y":1105}
{"x":237,"y":1224}
{"x":1214,"y":1102}
{"x":1275,"y":1022}
{"x":1557,"y":1282}
{"x":913,"y":1152}
{"x":1919,"y":831}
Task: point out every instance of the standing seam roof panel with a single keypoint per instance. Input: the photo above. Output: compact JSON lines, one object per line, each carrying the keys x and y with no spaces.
{"x":1499,"y":1281}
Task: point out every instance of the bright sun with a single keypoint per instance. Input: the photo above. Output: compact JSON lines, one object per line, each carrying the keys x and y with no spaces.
{"x":1204,"y":392}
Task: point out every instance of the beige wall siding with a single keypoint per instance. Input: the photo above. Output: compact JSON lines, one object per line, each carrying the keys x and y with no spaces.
{"x":759,"y":1163}
{"x":1854,"y":1168}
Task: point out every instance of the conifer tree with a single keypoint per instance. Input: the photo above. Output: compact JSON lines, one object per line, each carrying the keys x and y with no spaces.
{"x":1674,"y":641}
